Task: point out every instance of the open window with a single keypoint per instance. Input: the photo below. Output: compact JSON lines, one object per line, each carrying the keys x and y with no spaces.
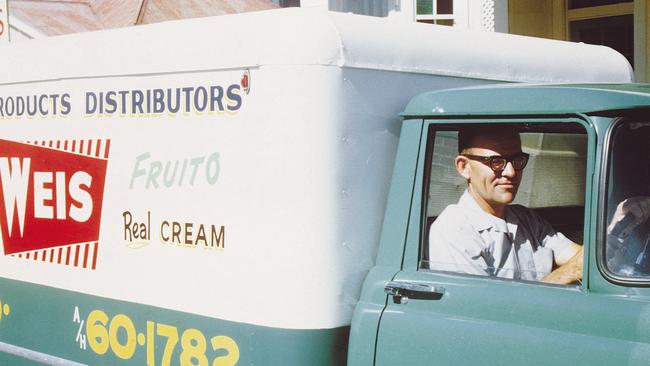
{"x":552,"y":186}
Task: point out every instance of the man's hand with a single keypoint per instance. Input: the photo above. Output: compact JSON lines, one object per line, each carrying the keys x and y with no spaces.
{"x":638,"y":207}
{"x":568,"y":273}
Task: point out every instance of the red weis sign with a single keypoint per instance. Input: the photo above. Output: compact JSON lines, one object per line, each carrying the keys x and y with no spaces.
{"x":51,"y":196}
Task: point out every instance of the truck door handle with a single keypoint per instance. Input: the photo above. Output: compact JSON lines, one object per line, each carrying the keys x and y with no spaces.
{"x":401,"y":291}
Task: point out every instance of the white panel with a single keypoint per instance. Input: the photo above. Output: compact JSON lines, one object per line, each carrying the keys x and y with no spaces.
{"x":301,"y":191}
{"x":4,"y":21}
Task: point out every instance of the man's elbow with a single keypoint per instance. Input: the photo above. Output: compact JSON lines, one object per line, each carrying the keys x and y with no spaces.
{"x":568,"y":254}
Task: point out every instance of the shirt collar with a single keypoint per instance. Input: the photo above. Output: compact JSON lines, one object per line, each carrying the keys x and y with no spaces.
{"x":480,"y":219}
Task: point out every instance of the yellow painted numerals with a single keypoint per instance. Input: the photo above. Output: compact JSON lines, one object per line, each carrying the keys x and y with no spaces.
{"x":101,"y":339}
{"x":96,"y":331}
{"x":171,"y":333}
{"x":124,"y":351}
{"x":228,"y":344}
{"x":120,"y":335}
{"x":5,"y":310}
{"x":194,"y":346}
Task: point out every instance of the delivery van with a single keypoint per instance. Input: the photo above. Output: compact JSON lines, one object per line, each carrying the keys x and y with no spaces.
{"x":218,"y":191}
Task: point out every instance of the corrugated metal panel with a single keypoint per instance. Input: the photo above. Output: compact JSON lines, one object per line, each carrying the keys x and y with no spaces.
{"x":162,"y":10}
{"x":52,"y":17}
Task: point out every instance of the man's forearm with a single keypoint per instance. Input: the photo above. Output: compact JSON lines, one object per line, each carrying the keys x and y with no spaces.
{"x":568,"y":273}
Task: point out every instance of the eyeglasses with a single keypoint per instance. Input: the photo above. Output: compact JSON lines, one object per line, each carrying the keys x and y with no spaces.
{"x":498,"y":163}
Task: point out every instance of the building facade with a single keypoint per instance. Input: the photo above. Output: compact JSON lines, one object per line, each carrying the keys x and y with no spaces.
{"x":619,"y":24}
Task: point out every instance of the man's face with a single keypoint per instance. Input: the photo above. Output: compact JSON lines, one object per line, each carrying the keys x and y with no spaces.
{"x":487,"y":186}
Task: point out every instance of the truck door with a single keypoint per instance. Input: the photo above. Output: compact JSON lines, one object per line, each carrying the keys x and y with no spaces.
{"x":442,"y":314}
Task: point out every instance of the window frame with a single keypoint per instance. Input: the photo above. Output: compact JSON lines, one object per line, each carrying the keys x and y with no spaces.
{"x":602,"y":11}
{"x":434,"y":16}
{"x":599,"y":11}
{"x":601,"y":238}
{"x":537,"y":124}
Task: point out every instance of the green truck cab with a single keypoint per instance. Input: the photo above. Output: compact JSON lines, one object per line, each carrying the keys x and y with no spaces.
{"x":588,"y":147}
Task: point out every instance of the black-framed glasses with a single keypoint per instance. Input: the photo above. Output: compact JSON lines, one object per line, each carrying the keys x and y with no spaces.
{"x":498,"y":162}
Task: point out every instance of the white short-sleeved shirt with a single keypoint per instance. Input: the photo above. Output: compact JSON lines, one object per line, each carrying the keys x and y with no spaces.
{"x":466,"y":239}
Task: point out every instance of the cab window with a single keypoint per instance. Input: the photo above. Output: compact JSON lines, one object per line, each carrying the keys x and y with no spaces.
{"x":543,"y":196}
{"x":627,"y":244}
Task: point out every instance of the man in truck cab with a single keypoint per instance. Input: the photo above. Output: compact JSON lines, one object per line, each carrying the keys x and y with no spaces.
{"x":483,"y":234}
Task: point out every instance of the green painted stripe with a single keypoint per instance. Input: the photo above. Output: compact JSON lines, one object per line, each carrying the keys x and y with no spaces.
{"x":41,"y":319}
